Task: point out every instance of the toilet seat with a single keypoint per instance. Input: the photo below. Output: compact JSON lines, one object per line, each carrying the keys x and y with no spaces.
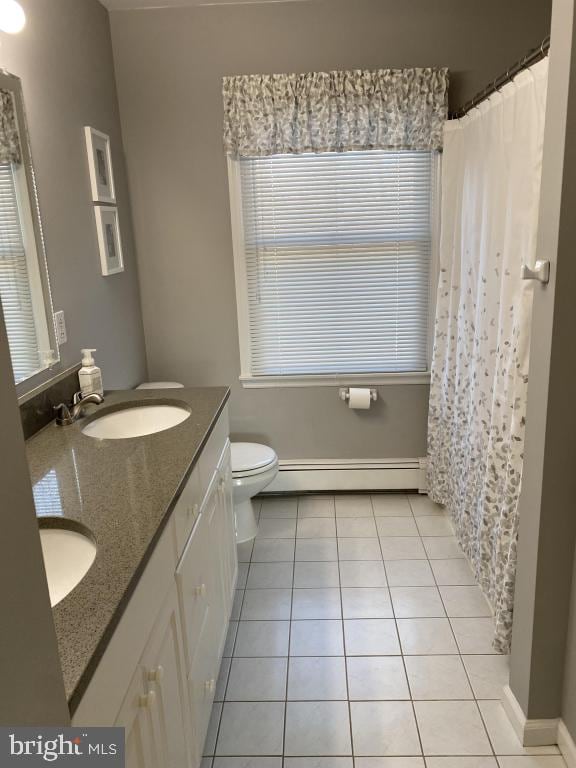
{"x":160,"y":385}
{"x":254,"y":468}
{"x":251,"y":459}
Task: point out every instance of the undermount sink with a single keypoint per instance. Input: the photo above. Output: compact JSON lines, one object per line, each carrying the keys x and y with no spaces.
{"x":136,"y":421}
{"x":68,"y":555}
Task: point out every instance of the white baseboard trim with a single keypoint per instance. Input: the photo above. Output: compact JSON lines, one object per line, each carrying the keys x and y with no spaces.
{"x":299,"y":476}
{"x":514,"y":712}
{"x":532,"y":733}
{"x":567,"y":745}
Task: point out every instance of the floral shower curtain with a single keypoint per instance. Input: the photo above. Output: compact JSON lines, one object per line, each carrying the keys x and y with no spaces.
{"x":490,"y":195}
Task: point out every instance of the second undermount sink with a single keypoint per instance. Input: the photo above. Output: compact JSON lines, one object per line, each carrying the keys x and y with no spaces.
{"x":68,"y":555}
{"x":136,"y":421}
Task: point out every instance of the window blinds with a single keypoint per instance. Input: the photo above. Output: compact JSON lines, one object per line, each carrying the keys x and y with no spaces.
{"x":337,"y":249}
{"x":14,"y":283}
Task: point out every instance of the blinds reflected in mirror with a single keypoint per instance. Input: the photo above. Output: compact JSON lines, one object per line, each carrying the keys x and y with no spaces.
{"x":337,"y":249}
{"x":24,"y":282}
{"x":15,"y":288}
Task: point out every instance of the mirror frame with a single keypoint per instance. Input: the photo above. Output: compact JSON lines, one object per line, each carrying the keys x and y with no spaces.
{"x":12,"y":83}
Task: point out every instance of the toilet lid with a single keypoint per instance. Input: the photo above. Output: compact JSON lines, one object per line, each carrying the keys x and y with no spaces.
{"x":249,"y":456}
{"x":160,"y":385}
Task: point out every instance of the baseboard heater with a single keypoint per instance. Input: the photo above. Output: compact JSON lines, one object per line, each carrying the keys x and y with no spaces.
{"x":309,"y":475}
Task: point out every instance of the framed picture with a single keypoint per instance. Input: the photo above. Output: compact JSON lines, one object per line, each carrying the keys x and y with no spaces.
{"x":100,"y":166}
{"x":109,"y":241}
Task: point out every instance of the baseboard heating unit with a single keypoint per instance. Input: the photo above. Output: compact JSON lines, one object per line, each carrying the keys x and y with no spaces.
{"x":310,"y":475}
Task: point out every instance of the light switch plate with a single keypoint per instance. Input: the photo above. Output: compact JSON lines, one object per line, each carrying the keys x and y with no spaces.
{"x":60,"y":328}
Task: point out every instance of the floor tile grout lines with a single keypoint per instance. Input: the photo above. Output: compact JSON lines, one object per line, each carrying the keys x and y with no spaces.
{"x":475,"y":699}
{"x":459,"y":656}
{"x":345,"y":656}
{"x":290,"y":635}
{"x":400,"y":644}
{"x":290,"y":621}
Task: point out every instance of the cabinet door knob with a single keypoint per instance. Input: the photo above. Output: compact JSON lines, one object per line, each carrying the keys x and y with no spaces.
{"x":210,"y":685}
{"x":156,"y":675}
{"x":200,"y":591}
{"x":147,"y":700}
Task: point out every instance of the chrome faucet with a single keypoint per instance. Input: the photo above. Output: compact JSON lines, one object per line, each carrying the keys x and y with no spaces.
{"x":68,"y":414}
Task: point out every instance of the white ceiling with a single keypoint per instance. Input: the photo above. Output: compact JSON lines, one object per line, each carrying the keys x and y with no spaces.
{"x":117,"y":5}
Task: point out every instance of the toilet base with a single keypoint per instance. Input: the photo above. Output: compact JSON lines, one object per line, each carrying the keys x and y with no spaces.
{"x":246,"y":525}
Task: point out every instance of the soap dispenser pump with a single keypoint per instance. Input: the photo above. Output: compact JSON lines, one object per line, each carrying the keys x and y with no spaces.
{"x":90,"y":376}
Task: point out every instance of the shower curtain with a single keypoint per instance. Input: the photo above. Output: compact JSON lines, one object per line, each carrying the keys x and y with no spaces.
{"x":490,"y":194}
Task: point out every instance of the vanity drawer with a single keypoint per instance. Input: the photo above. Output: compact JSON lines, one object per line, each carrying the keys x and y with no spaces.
{"x":194,"y":579}
{"x":187,"y":510}
{"x":212,"y":451}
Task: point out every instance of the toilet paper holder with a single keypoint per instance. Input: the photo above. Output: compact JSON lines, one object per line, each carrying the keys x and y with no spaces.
{"x":344,"y":394}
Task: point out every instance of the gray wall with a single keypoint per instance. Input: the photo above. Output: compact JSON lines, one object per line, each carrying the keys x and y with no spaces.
{"x":169,"y":65}
{"x":32,"y":685}
{"x":546,"y":508}
{"x":64,"y":59}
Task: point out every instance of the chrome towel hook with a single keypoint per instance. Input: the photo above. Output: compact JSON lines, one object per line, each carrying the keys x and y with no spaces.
{"x":541,"y":271}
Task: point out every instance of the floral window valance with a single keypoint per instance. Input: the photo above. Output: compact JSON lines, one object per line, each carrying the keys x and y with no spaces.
{"x":9,"y":139}
{"x":335,"y":111}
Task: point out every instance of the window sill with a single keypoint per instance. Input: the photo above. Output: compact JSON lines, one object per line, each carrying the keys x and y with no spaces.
{"x":327,"y":380}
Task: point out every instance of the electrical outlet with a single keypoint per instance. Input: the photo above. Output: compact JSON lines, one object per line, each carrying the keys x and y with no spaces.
{"x":60,"y":327}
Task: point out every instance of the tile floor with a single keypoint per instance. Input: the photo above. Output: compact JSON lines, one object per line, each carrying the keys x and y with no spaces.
{"x":359,"y":639}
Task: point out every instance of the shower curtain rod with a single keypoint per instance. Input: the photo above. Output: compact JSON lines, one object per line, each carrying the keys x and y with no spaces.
{"x":531,"y":58}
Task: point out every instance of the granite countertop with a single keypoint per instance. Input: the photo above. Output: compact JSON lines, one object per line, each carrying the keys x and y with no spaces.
{"x":123,"y":492}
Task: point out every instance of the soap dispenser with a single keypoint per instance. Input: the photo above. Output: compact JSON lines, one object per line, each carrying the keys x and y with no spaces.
{"x":89,"y":375}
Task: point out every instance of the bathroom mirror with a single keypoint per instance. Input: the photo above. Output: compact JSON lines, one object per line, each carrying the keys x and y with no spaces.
{"x":24,"y":285}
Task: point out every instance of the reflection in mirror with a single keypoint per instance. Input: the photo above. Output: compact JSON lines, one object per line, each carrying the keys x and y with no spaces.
{"x":24,"y":286}
{"x":47,"y":498}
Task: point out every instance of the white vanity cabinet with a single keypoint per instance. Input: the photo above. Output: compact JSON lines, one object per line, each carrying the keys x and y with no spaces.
{"x":229,"y":559}
{"x":206,"y":577}
{"x":157,"y":677}
{"x":155,"y":711}
{"x":135,"y":717}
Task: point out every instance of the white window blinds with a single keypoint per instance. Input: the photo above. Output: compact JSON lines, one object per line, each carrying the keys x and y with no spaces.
{"x":337,"y":250}
{"x":15,"y":293}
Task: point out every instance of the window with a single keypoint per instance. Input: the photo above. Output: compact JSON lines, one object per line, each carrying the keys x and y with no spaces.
{"x":20,"y":282}
{"x":333,"y":259}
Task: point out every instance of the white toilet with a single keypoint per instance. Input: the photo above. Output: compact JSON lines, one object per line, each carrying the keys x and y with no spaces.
{"x":161,"y":385}
{"x":254,"y":466}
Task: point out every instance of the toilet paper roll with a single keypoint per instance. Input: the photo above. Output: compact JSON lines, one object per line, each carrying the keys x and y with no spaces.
{"x":359,"y":398}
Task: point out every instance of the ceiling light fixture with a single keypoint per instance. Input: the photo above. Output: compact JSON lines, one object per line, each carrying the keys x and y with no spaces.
{"x":12,"y":17}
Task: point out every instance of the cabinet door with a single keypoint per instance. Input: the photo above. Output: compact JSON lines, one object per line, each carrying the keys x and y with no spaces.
{"x":186,"y":511}
{"x":136,"y":716}
{"x":223,"y":546}
{"x":194,"y":579}
{"x":200,"y":594}
{"x":202,"y":686}
{"x":228,"y":541}
{"x":165,"y":674}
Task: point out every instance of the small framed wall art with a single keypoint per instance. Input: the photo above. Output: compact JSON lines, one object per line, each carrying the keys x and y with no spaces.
{"x":109,"y":241}
{"x":100,"y":166}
